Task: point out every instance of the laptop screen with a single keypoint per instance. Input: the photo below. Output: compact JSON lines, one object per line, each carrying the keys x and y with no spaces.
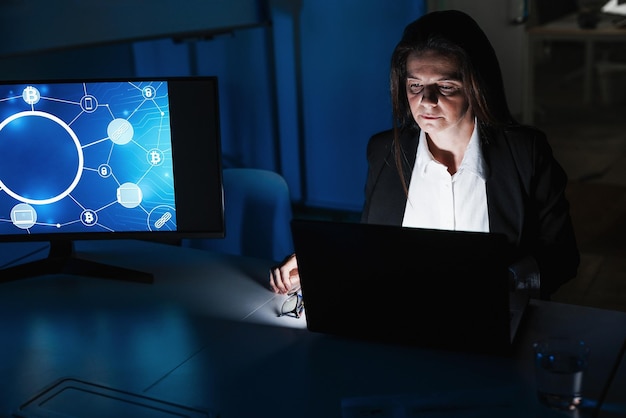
{"x":417,"y":286}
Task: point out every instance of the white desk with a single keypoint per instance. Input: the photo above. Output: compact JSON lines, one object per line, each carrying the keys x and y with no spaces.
{"x":565,"y":29}
{"x":205,"y":334}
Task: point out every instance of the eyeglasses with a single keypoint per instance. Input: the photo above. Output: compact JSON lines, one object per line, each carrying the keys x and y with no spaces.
{"x":293,"y":305}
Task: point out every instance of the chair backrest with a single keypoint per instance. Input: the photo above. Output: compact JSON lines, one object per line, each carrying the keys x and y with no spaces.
{"x":257,"y":213}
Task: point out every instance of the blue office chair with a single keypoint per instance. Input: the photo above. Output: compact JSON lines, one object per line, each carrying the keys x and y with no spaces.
{"x":257,"y":212}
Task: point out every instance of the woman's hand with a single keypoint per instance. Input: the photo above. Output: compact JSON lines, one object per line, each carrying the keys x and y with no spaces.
{"x":284,"y":277}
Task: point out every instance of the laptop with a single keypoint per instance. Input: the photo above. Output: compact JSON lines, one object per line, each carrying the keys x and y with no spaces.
{"x":423,"y":287}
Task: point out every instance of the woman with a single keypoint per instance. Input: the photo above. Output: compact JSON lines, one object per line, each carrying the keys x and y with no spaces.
{"x":456,"y":158}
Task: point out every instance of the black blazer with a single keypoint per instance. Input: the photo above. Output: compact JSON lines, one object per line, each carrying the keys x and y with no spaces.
{"x":525,"y":195}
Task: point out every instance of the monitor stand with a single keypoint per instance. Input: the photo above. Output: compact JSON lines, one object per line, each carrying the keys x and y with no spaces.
{"x":62,"y":260}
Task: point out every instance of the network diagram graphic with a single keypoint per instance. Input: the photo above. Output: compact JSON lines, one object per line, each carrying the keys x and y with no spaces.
{"x":86,"y":157}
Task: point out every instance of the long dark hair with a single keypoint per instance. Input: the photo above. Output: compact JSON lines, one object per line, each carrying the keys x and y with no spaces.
{"x":455,"y":34}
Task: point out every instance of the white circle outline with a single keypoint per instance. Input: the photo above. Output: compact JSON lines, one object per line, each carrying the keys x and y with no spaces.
{"x":23,"y":206}
{"x":82,"y":103}
{"x":78,"y":148}
{"x":145,"y":89}
{"x":154,"y":209}
{"x":109,"y":172}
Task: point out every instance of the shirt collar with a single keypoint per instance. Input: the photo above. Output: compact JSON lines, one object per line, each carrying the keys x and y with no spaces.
{"x":472,"y":161}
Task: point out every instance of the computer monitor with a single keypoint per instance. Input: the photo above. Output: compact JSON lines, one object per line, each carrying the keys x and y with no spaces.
{"x":108,"y":159}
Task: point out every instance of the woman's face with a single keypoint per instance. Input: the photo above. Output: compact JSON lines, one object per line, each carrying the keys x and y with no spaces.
{"x":436,"y":95}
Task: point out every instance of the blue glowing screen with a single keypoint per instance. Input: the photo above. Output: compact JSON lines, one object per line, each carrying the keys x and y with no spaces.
{"x":86,"y":157}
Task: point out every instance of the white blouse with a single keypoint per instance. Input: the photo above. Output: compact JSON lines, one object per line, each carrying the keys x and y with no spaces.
{"x":438,"y":200}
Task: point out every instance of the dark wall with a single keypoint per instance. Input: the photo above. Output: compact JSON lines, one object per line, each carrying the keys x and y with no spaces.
{"x":111,"y":60}
{"x":42,"y":25}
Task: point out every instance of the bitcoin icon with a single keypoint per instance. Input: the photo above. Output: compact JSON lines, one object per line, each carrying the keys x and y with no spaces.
{"x":31,"y":95}
{"x":89,"y":217}
{"x":155,"y":157}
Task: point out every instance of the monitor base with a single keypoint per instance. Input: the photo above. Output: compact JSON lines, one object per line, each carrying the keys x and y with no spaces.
{"x":62,"y":260}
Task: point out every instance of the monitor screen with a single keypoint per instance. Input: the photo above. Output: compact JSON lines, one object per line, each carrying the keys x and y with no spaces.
{"x":111,"y":158}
